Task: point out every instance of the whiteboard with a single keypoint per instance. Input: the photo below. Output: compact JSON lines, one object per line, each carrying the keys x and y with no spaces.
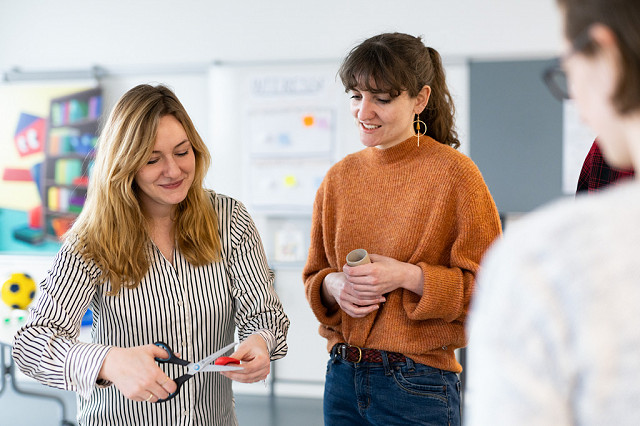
{"x":256,"y":110}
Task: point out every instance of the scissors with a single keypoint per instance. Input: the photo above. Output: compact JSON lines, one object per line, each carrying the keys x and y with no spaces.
{"x":194,"y":367}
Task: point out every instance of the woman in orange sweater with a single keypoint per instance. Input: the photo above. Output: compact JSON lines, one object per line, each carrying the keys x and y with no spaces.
{"x":423,"y":212}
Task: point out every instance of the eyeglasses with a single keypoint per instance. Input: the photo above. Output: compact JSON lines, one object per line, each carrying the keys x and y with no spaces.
{"x":555,"y":76}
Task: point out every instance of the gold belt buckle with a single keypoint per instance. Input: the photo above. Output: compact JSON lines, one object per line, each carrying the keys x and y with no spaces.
{"x":359,"y":353}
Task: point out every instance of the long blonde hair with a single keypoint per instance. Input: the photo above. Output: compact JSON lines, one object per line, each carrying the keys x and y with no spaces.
{"x":112,"y":230}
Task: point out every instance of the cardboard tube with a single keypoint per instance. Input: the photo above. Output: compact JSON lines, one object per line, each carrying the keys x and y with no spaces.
{"x":358,"y":257}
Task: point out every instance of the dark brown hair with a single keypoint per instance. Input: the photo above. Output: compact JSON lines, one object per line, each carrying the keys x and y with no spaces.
{"x":395,"y":62}
{"x":623,"y":18}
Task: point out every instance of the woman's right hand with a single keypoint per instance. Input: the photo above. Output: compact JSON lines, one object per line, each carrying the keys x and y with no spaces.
{"x":336,"y":289}
{"x":136,"y":374}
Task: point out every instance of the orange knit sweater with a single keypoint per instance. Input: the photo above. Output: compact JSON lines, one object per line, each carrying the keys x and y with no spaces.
{"x":426,"y":205}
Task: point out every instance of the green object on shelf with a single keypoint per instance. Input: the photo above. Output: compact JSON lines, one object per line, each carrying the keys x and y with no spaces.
{"x":67,"y":170}
{"x":78,"y":110}
{"x":56,"y":114}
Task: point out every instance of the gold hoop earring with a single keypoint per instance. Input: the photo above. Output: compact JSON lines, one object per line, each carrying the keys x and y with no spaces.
{"x":416,"y":127}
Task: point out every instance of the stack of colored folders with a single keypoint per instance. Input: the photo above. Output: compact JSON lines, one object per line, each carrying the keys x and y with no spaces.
{"x":70,"y":141}
{"x":75,"y":110}
{"x":67,"y":170}
{"x":64,"y":200}
{"x":95,"y":107}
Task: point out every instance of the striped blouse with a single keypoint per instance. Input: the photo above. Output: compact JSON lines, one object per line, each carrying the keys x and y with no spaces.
{"x":195,"y":310}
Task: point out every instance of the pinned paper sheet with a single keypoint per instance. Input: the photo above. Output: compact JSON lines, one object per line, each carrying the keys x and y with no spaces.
{"x":308,"y":120}
{"x":289,"y":244}
{"x":286,"y":182}
{"x":291,"y":132}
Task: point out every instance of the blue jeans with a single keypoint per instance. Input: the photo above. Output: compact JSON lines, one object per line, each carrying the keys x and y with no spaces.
{"x":403,"y":393}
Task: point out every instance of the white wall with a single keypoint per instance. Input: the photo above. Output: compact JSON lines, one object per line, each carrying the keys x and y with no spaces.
{"x":176,"y":42}
{"x":66,"y":34}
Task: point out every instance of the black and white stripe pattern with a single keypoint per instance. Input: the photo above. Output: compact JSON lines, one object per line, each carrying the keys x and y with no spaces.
{"x":194,"y":309}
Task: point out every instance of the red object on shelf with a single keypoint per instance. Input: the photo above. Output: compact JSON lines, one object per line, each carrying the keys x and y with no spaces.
{"x":35,"y":217}
{"x":81,"y":181}
{"x":225,"y":360}
{"x":61,"y":225}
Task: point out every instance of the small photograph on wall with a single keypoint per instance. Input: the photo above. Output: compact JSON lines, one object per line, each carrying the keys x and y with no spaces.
{"x":26,"y":187}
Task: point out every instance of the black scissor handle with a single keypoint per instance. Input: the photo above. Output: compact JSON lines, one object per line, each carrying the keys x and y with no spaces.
{"x":171,"y":358}
{"x":179,"y":381}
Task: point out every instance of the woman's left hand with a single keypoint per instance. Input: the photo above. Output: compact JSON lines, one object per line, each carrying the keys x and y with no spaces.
{"x":254,"y":358}
{"x":384,"y":275}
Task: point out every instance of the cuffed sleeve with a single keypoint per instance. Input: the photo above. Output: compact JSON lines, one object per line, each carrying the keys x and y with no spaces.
{"x":82,"y":367}
{"x":258,"y":308}
{"x":318,"y":267}
{"x":447,"y":288}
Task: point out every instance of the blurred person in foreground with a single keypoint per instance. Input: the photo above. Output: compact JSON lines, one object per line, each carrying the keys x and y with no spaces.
{"x":553,"y":329}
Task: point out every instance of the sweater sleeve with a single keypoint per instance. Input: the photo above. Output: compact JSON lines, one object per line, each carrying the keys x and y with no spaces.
{"x":47,"y":347}
{"x":448,"y":288}
{"x":318,"y":266}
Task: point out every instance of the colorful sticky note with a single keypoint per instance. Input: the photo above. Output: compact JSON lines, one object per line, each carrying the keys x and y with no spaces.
{"x":290,"y":181}
{"x":308,"y":120}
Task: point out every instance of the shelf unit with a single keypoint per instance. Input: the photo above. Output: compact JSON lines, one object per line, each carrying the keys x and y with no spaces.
{"x":69,"y":152}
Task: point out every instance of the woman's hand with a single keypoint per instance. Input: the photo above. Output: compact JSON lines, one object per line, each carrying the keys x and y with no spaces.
{"x":336,"y":289}
{"x":136,"y":374}
{"x":254,"y":358}
{"x":383,"y":275}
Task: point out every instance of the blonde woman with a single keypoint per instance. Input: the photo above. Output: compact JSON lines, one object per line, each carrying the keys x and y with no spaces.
{"x":157,"y":258}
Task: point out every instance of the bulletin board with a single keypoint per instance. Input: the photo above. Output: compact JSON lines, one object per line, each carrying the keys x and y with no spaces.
{"x":290,"y":122}
{"x":529,"y":146}
{"x":516,"y":129}
{"x":284,"y":121}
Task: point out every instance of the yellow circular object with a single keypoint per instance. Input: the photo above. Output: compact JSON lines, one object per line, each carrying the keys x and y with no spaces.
{"x":290,"y":181}
{"x":18,"y":291}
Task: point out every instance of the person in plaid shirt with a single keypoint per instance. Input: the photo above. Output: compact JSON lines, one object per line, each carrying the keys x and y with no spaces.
{"x":596,"y":173}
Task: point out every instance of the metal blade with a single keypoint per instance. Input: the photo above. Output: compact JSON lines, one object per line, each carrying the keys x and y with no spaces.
{"x":196,"y":367}
{"x":217,"y":368}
